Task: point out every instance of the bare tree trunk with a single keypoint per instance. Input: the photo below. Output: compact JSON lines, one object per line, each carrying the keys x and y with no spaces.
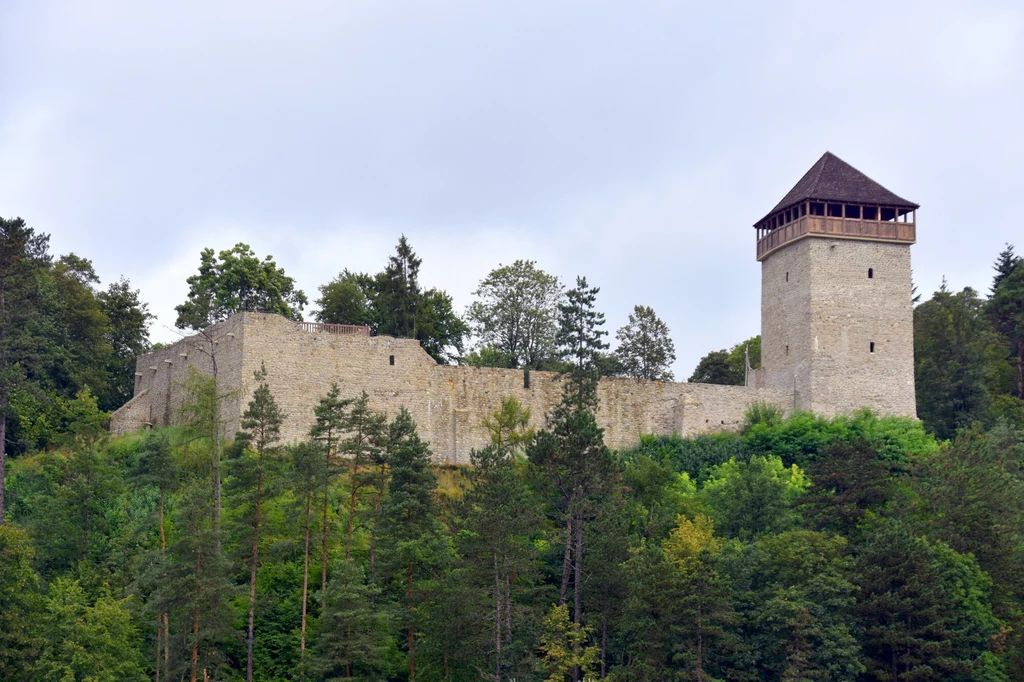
{"x":700,"y":645}
{"x":498,"y":599}
{"x":323,"y":552}
{"x":1020,"y":390}
{"x":604,"y":633}
{"x":305,"y":583}
{"x":195,"y":619}
{"x":508,"y":609}
{"x":252,"y":570}
{"x":578,"y":588}
{"x":566,"y":559}
{"x":3,"y":402}
{"x":352,"y":499}
{"x":412,"y":633}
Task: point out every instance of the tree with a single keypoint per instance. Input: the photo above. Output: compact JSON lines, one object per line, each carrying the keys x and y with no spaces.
{"x":565,"y":648}
{"x":950,"y":337}
{"x":913,"y":621}
{"x":714,"y":368}
{"x":728,"y":367}
{"x":87,"y":640}
{"x":328,"y":429}
{"x":156,"y":467}
{"x":749,"y":499}
{"x":1006,"y":310}
{"x":229,"y":282}
{"x":128,"y":320}
{"x":22,"y":254}
{"x":700,"y":599}
{"x":516,"y":313}
{"x":1004,"y":266}
{"x":499,"y":518}
{"x":578,"y":469}
{"x":309,"y":474}
{"x":346,"y":299}
{"x":645,"y":348}
{"x":353,"y":635}
{"x":413,"y":544}
{"x":19,"y":605}
{"x":235,"y":280}
{"x":398,"y":292}
{"x":261,"y":432}
{"x":400,"y":307}
{"x":366,"y":431}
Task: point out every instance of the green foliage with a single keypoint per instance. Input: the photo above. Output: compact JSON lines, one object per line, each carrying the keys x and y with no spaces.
{"x":235,"y":280}
{"x":564,"y":644}
{"x":645,"y":348}
{"x":353,"y":641}
{"x":514,"y":316}
{"x":692,"y":456}
{"x":950,"y":338}
{"x":753,"y":498}
{"x":728,"y":367}
{"x":346,"y":299}
{"x":127,"y":333}
{"x":20,"y":605}
{"x":87,"y":639}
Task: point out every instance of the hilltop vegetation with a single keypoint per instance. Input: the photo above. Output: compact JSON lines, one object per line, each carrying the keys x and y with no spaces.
{"x":856,"y":548}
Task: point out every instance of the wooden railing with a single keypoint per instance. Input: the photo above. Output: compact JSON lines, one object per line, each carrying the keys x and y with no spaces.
{"x":325,"y":328}
{"x":843,"y":228}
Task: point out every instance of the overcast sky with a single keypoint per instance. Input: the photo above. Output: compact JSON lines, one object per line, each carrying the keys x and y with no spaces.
{"x":632,"y":142}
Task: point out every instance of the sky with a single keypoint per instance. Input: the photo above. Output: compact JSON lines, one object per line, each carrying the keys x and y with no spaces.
{"x":633,"y":142}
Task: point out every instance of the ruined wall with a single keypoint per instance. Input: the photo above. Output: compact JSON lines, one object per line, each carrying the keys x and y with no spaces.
{"x":448,"y":403}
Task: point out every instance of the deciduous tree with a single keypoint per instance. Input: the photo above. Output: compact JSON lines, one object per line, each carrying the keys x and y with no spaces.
{"x":645,"y":348}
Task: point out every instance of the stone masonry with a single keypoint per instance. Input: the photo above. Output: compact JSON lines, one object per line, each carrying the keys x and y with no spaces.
{"x":836,"y":326}
{"x":448,"y":403}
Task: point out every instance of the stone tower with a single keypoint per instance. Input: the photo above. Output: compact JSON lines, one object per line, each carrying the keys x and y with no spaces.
{"x":836,"y":311}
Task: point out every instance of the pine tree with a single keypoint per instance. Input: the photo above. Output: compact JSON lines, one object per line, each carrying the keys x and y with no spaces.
{"x":20,"y":605}
{"x":156,"y":467}
{"x":353,"y":639}
{"x":309,"y":474}
{"x":413,"y":546}
{"x":331,"y":415}
{"x":195,"y":589}
{"x":1006,"y":310}
{"x":398,"y":293}
{"x":577,"y":467}
{"x":261,"y":432}
{"x":1005,"y":264}
{"x":499,"y":519}
{"x":366,"y":430}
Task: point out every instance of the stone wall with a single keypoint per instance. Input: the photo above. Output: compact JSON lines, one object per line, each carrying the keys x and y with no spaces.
{"x":828,"y":314}
{"x":448,"y":403}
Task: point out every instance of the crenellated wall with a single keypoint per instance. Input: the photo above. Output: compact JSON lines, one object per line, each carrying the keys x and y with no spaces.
{"x":448,"y":403}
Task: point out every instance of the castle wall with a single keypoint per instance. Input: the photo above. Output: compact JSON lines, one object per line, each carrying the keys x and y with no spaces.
{"x":448,"y":403}
{"x":828,"y":313}
{"x":851,"y":311}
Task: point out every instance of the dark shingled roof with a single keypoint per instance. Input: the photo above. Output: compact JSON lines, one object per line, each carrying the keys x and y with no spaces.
{"x":832,"y":179}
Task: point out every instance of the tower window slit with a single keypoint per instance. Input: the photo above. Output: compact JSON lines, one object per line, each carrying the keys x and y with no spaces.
{"x":871,"y":347}
{"x":871,"y":273}
{"x":391,"y":359}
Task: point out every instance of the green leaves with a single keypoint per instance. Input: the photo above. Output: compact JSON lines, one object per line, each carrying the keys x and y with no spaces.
{"x":233,"y":281}
{"x":645,"y":348}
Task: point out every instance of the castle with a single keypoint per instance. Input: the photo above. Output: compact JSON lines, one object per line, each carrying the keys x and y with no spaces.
{"x":836,"y":336}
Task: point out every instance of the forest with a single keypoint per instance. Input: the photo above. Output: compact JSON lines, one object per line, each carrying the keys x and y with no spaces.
{"x":799,"y":548}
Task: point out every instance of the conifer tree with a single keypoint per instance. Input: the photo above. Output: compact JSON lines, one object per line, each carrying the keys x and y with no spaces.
{"x":1006,"y":310}
{"x":195,"y":589}
{"x":308,"y":472}
{"x":156,"y":467}
{"x":413,"y":546}
{"x":260,"y":434}
{"x":578,"y":469}
{"x":366,"y":431}
{"x":1005,"y":264}
{"x":353,"y":639}
{"x":20,"y":605}
{"x":331,"y":414}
